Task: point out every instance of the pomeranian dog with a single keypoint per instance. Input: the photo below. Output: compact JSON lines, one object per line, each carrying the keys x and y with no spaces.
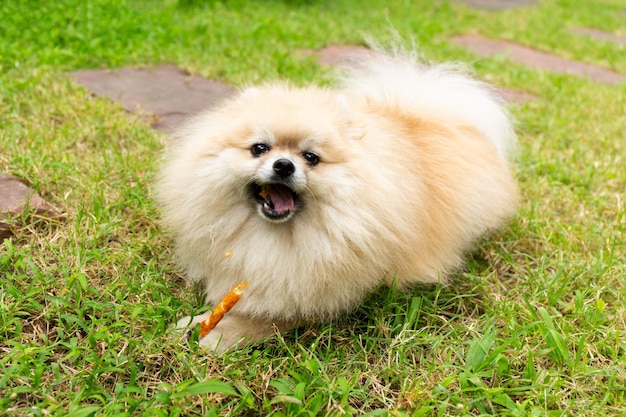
{"x":316,"y":196}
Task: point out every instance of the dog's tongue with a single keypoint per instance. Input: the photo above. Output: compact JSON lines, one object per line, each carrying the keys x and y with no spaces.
{"x":281,"y":197}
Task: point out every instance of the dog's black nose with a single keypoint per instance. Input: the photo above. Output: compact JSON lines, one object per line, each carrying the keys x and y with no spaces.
{"x":284,"y":168}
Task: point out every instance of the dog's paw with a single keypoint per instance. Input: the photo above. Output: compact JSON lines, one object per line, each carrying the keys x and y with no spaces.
{"x":220,"y":339}
{"x":226,"y":334}
{"x":187,"y":323}
{"x":233,"y":330}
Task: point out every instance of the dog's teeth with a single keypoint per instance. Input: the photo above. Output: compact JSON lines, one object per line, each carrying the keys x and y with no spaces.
{"x":268,"y":205}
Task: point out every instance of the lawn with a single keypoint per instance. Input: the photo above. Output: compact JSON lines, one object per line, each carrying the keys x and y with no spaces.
{"x":534,"y":325}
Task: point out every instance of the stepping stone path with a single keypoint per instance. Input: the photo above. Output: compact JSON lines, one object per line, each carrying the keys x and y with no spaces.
{"x":334,"y":55}
{"x":165,"y":94}
{"x":516,"y":96}
{"x":498,"y":4}
{"x":15,"y":197}
{"x":539,"y":60}
{"x":598,"y":34}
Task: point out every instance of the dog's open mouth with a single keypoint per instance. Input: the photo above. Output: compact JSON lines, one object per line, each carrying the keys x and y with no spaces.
{"x":277,"y":201}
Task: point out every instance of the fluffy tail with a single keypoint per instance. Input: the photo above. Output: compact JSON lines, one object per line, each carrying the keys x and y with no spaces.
{"x":398,"y":77}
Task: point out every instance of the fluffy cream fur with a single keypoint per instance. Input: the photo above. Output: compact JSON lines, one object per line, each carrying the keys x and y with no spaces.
{"x":412,"y":169}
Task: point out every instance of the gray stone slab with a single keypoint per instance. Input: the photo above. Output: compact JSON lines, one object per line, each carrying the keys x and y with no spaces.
{"x":345,"y":55}
{"x":516,"y":96}
{"x":342,"y":55}
{"x":536,"y":59}
{"x":165,"y":94}
{"x":498,"y":4}
{"x":601,"y":35}
{"x":16,"y":197}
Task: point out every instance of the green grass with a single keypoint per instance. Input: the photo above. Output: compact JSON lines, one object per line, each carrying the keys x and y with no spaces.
{"x":535,"y":325}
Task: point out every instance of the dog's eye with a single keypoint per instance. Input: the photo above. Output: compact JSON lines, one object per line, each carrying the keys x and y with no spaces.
{"x":311,"y":158}
{"x":259,"y":149}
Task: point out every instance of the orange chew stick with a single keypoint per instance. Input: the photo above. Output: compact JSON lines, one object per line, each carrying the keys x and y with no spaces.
{"x":264,"y":193}
{"x":222,"y":308}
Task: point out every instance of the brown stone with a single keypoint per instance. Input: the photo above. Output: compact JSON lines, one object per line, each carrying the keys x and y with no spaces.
{"x":540,"y":60}
{"x":166,"y":94}
{"x":344,"y":55}
{"x":334,"y":55}
{"x":15,"y":197}
{"x":516,"y":96}
{"x":598,"y":34}
{"x":5,"y":231}
{"x":498,"y":4}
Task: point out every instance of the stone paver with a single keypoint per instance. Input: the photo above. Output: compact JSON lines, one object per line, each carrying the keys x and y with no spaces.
{"x":540,"y":60}
{"x":516,"y":96}
{"x":15,"y":197}
{"x":334,"y":55}
{"x":165,"y":93}
{"x":498,"y":4}
{"x":598,"y":34}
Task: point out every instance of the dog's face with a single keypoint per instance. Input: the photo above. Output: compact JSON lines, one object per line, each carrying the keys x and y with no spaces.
{"x":280,"y":181}
{"x":283,"y":152}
